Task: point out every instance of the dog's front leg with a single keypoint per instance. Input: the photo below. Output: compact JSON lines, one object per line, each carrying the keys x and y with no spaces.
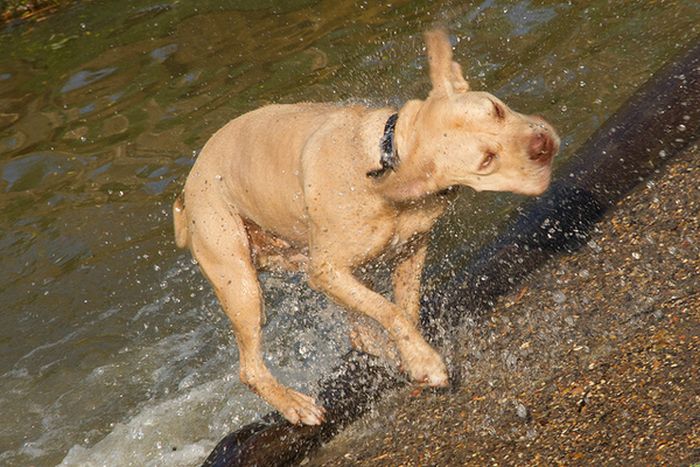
{"x":407,"y":279}
{"x":420,"y":361}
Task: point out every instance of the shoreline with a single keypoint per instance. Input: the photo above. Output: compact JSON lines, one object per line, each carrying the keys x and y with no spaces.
{"x":593,"y":360}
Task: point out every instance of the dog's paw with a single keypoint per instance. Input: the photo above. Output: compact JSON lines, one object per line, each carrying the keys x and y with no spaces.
{"x":299,"y":408}
{"x":425,"y":365}
{"x":296,"y":407}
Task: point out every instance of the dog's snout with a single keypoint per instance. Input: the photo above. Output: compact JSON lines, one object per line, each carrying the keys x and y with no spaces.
{"x":542,"y":147}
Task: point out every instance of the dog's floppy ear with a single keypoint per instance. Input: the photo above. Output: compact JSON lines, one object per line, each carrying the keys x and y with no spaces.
{"x":445,"y":74}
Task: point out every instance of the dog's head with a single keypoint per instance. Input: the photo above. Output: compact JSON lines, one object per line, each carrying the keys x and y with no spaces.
{"x":473,"y":138}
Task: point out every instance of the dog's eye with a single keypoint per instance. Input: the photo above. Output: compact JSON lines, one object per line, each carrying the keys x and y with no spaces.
{"x":488,"y":159}
{"x":500,"y":113}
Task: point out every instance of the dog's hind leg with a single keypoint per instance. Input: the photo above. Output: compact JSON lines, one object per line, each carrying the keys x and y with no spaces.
{"x":220,"y":244}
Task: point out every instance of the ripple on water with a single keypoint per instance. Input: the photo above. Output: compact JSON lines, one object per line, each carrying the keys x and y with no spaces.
{"x":161,"y":54}
{"x":85,"y":77}
{"x":34,"y":170}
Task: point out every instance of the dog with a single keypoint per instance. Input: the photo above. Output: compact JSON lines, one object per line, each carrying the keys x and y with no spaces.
{"x":327,"y":188}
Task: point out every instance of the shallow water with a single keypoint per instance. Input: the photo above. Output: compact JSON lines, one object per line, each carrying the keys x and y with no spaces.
{"x":114,"y":350}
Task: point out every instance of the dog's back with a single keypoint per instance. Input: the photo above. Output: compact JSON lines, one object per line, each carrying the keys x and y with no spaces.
{"x":257,"y":158}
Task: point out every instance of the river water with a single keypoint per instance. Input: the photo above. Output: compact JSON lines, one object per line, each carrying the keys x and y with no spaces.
{"x":113,"y":347}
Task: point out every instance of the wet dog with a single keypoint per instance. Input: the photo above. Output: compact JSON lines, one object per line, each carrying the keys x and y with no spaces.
{"x":328,"y":188}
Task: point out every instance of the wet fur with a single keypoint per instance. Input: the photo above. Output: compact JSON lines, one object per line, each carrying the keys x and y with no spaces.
{"x":287,"y":186}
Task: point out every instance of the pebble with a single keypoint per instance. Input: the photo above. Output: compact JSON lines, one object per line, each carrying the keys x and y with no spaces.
{"x":559,"y":297}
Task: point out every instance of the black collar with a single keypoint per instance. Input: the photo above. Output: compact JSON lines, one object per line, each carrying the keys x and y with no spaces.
{"x":389,"y":153}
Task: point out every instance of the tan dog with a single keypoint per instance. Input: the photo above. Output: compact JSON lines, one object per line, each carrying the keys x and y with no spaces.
{"x":328,"y":188}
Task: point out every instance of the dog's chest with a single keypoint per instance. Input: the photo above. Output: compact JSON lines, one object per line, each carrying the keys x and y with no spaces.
{"x":413,"y":224}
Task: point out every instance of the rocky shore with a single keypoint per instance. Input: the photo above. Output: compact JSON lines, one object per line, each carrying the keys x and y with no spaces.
{"x":595,"y":360}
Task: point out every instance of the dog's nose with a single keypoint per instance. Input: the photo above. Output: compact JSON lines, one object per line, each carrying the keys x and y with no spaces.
{"x":542,"y":147}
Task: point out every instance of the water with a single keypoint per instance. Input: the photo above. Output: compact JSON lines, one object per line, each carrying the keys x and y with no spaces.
{"x":114,"y":350}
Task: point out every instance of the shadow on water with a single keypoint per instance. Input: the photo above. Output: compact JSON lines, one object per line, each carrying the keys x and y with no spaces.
{"x":113,"y":346}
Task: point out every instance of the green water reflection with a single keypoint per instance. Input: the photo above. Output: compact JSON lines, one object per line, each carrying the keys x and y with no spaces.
{"x":104,"y":105}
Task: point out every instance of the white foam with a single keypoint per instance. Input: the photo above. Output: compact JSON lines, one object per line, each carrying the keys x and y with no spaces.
{"x":180,"y":431}
{"x":194,"y":395}
{"x":164,"y":389}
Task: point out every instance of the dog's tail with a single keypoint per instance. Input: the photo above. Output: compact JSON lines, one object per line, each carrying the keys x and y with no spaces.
{"x":180,"y":222}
